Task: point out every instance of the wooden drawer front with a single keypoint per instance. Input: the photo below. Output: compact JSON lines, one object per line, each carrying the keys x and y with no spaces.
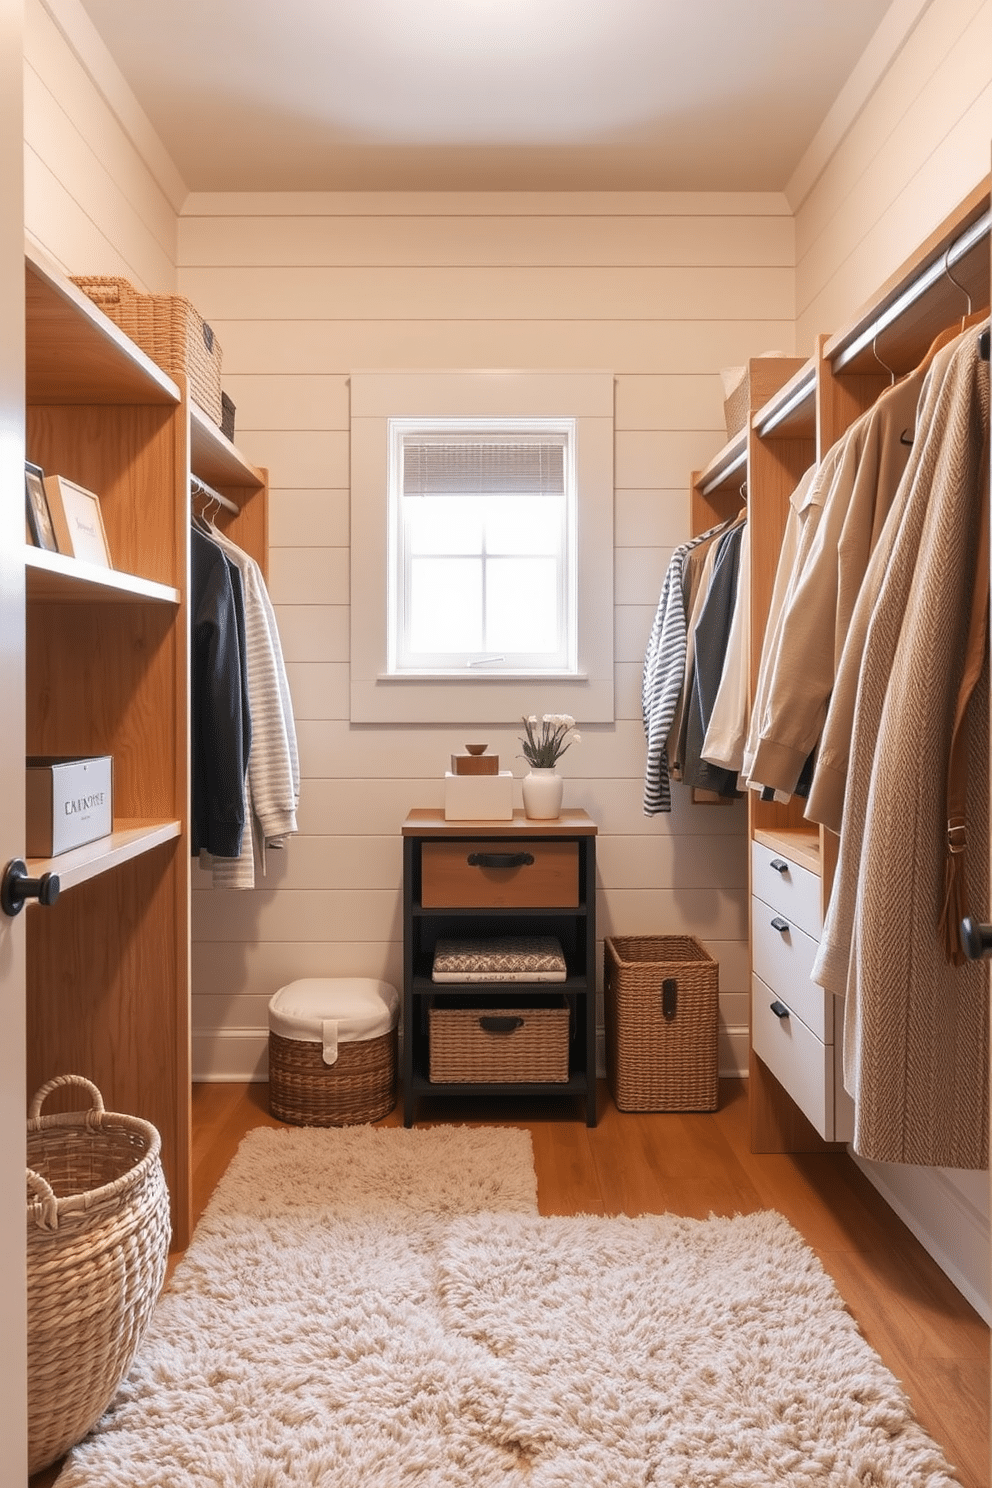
{"x":802,"y":1063}
{"x":498,"y":879}
{"x":783,"y":958}
{"x":790,"y":889}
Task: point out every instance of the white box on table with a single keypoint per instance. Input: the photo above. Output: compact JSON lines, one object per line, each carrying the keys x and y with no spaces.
{"x":478,"y":797}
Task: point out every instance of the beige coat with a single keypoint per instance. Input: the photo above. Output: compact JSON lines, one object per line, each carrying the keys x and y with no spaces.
{"x":815,"y":622}
{"x":916,"y":1027}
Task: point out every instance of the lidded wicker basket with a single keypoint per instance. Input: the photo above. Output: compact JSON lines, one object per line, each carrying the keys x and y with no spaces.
{"x":169,"y":329}
{"x":97,"y":1244}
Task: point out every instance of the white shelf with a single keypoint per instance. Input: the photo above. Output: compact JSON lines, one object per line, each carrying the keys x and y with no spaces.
{"x":64,"y":580}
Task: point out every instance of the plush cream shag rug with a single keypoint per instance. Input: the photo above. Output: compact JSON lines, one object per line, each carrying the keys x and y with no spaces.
{"x":380,"y":1308}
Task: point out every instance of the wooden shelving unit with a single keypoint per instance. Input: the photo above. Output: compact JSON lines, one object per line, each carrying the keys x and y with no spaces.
{"x":108,"y":673}
{"x":798,"y":411}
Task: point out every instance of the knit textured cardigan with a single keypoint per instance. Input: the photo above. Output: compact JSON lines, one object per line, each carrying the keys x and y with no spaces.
{"x":916,"y":1026}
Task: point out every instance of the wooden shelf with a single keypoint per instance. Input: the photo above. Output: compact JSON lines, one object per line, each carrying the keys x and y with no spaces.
{"x":128,"y":840}
{"x":922,"y":298}
{"x":431,"y":822}
{"x":216,"y":460}
{"x":76,"y":354}
{"x":55,"y":578}
{"x":801,"y":844}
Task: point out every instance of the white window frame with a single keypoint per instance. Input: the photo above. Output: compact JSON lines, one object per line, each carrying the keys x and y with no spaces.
{"x":381,"y":696}
{"x":461,"y":663}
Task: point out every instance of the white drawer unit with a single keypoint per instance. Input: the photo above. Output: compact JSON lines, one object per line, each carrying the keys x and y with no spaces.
{"x":802,"y":1063}
{"x":782,"y":955}
{"x":795,"y":1024}
{"x":790,"y":888}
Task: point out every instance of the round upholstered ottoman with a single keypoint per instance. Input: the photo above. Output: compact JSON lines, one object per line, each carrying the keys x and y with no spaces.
{"x":332,"y":1051}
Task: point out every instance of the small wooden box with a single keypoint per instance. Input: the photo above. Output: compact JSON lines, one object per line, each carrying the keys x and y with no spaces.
{"x":501,"y":873}
{"x":475,"y":764}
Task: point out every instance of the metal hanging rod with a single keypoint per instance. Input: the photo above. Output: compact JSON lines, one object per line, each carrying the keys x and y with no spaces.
{"x":736,"y":459}
{"x":200,"y":488}
{"x":805,"y":389}
{"x":915,"y":290}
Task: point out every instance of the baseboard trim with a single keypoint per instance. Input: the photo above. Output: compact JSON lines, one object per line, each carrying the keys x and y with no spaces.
{"x":229,"y":1055}
{"x":964,"y":1258}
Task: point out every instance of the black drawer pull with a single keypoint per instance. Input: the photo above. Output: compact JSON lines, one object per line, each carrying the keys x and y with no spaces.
{"x":779,"y":924}
{"x":779,"y":1009}
{"x":669,"y":998}
{"x":500,"y":860}
{"x":492,"y":1024}
{"x":779,"y":864}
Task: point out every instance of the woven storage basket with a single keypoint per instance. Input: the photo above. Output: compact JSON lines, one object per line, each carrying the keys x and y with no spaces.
{"x":359,"y":1087}
{"x":661,"y":1005}
{"x":499,"y":1045}
{"x":170,"y":329}
{"x":97,"y":1245}
{"x":737,"y":405}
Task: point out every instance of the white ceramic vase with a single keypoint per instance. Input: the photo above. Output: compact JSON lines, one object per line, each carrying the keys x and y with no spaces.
{"x":542,"y":790}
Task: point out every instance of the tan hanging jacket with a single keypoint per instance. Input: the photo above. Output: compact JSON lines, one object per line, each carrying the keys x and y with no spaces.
{"x":916,"y":1026}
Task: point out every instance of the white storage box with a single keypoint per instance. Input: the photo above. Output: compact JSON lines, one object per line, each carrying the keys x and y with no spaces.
{"x":69,"y":801}
{"x":478,"y":797}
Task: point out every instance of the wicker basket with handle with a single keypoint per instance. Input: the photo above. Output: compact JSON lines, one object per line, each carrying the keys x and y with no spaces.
{"x":169,"y":329}
{"x":97,"y":1244}
{"x":661,"y":1000}
{"x":500,"y":1045}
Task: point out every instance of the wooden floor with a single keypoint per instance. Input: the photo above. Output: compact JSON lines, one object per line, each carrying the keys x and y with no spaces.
{"x":697,"y":1165}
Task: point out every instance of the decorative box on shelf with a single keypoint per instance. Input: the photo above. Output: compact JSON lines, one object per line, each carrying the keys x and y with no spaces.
{"x":68,"y":801}
{"x":478,"y":797}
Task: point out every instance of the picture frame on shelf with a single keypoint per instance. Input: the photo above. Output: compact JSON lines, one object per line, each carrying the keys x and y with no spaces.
{"x":41,"y":528}
{"x":78,"y":521}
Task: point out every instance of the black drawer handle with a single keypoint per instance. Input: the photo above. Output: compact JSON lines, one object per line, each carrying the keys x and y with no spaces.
{"x":779,"y":864}
{"x":669,"y":998}
{"x":493,"y":1024}
{"x":779,"y":924}
{"x":500,"y":860}
{"x":779,"y":1009}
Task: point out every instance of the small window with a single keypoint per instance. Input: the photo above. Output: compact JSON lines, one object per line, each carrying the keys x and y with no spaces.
{"x":481,"y":528}
{"x":482,"y":545}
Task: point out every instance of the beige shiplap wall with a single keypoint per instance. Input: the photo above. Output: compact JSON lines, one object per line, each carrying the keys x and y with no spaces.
{"x":662,"y":290}
{"x":915,"y":150}
{"x":100,"y":194}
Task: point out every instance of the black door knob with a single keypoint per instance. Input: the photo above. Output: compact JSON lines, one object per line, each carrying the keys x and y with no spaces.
{"x":976,"y":939}
{"x":16,"y":887}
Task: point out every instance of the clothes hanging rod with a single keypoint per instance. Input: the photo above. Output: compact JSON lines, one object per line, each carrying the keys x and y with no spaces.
{"x":200,"y":488}
{"x":735,"y":460}
{"x":805,"y":389}
{"x":915,"y":290}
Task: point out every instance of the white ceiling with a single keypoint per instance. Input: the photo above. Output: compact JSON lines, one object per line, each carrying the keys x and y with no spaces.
{"x":486,"y":94}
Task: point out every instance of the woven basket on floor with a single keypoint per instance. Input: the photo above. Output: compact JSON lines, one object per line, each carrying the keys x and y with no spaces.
{"x":661,"y":996}
{"x":97,"y":1244}
{"x":360,"y":1086}
{"x":169,"y":329}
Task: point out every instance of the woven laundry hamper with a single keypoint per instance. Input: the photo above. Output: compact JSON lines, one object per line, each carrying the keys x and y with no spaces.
{"x":169,"y":329}
{"x":97,"y":1244}
{"x":332,"y":1051}
{"x":661,"y":995}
